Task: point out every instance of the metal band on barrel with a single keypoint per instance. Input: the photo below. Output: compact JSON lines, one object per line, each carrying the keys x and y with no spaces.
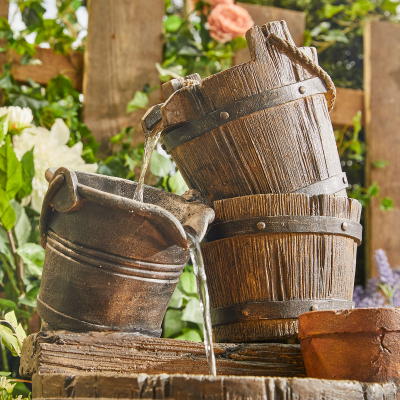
{"x":331,"y":185}
{"x":286,"y":224}
{"x":273,"y":310}
{"x":239,"y":109}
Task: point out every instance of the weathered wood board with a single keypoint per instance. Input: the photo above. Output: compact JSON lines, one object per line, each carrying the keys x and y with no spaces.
{"x":348,"y":103}
{"x":382,"y":99}
{"x":124,"y":43}
{"x":67,"y":352}
{"x":51,"y":65}
{"x":193,"y":387}
{"x":296,"y":21}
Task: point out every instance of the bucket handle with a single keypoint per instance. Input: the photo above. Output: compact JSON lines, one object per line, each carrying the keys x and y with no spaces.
{"x":69,"y":200}
{"x":296,"y":55}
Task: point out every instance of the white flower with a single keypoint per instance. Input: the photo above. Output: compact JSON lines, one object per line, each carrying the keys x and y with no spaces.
{"x":50,"y":150}
{"x":17,"y":118}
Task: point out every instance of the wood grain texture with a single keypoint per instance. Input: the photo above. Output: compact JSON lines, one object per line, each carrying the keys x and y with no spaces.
{"x":52,"y":64}
{"x":296,"y":22}
{"x":124,"y":43}
{"x":200,"y":387}
{"x":382,"y":99}
{"x":348,"y":103}
{"x":279,"y":266}
{"x":4,"y":6}
{"x":277,"y":150}
{"x":66,"y":352}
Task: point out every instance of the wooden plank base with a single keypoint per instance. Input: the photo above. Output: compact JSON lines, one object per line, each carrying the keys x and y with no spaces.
{"x":67,"y":352}
{"x":193,"y":387}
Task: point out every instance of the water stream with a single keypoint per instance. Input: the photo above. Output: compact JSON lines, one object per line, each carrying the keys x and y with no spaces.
{"x":202,"y":289}
{"x":151,"y":139}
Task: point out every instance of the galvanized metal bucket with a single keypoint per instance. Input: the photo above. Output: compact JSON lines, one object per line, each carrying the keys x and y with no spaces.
{"x":112,"y":263}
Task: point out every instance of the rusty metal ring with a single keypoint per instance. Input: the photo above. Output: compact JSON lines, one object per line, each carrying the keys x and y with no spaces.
{"x":47,"y":208}
{"x":274,"y":310}
{"x":286,"y":224}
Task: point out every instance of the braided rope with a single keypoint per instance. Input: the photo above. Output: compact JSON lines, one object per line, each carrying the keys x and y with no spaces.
{"x":299,"y":57}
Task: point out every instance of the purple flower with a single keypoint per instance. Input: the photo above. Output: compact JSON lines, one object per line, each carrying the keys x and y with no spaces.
{"x":370,"y":297}
{"x":386,"y":275}
{"x":383,"y":291}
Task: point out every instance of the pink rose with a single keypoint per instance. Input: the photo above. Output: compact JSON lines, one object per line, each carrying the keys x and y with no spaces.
{"x":227,"y":21}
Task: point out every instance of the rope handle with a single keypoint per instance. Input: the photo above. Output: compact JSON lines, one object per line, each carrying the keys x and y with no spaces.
{"x":296,"y":55}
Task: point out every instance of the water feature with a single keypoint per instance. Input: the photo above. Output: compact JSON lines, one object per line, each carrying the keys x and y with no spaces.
{"x":151,"y":139}
{"x":202,"y":289}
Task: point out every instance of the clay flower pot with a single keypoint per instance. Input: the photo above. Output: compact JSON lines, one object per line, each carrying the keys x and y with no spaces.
{"x":359,"y":344}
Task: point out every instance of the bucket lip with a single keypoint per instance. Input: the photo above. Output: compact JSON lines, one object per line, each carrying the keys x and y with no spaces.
{"x":161,"y":216}
{"x":359,"y":320}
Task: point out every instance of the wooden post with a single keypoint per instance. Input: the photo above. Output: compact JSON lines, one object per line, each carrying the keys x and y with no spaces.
{"x":124,"y":43}
{"x":296,"y":22}
{"x":4,"y":4}
{"x":382,"y":99}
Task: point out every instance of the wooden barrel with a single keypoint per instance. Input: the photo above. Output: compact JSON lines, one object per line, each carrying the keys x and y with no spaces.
{"x":270,"y":258}
{"x":260,"y":127}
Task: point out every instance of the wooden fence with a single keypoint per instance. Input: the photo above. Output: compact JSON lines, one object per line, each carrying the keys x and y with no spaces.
{"x":125,"y":41}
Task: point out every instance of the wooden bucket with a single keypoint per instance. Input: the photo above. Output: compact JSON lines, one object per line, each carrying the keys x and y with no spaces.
{"x":260,"y":127}
{"x":112,"y":263}
{"x":270,"y":258}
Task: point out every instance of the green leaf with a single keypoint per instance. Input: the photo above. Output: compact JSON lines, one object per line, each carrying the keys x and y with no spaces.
{"x":6,"y":304}
{"x":387,"y":204}
{"x":373,"y":190}
{"x":172,"y":23}
{"x":10,"y":169}
{"x":334,"y":35}
{"x":188,"y":282}
{"x":32,"y":255}
{"x":2,"y":373}
{"x":191,"y":335}
{"x":28,"y":172}
{"x":3,"y":126}
{"x":176,"y":299}
{"x":160,"y":165}
{"x":331,"y":10}
{"x":9,"y":340}
{"x":22,"y":228}
{"x":192,"y":312}
{"x":139,"y":101}
{"x":7,"y":213}
{"x":173,"y":323}
{"x":177,"y":184}
{"x":12,"y":319}
{"x":357,"y":125}
{"x":380,"y":163}
{"x":21,"y":334}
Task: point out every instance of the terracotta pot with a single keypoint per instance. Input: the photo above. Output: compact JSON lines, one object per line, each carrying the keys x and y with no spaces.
{"x":360,"y":344}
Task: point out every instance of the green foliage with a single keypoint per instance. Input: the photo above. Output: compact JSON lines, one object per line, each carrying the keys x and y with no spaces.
{"x":336,"y":28}
{"x":58,"y":100}
{"x":188,"y":47}
{"x":183,"y":319}
{"x":12,"y":334}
